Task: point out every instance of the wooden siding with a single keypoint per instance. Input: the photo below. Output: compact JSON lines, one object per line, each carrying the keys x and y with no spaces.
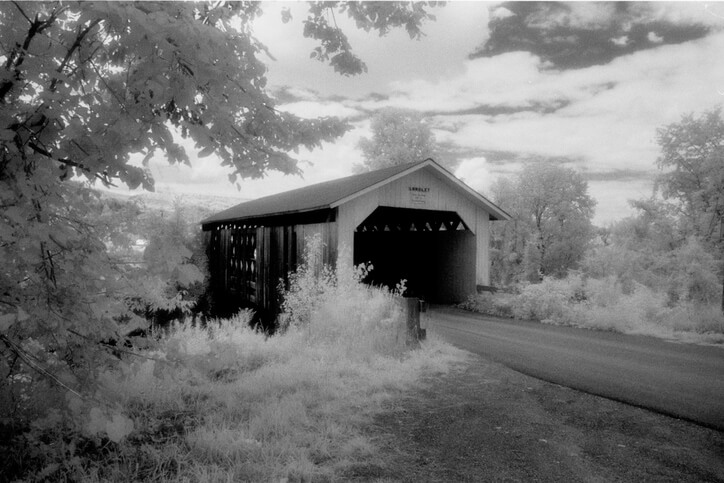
{"x":248,"y":258}
{"x":482,"y":248}
{"x":441,"y":196}
{"x":233,"y":265}
{"x":247,"y":262}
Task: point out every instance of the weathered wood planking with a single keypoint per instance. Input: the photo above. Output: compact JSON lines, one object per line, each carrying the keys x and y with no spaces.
{"x":440,"y":240}
{"x":248,"y":263}
{"x":441,"y":196}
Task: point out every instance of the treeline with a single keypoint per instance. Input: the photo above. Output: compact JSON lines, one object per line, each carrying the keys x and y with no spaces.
{"x":672,"y":246}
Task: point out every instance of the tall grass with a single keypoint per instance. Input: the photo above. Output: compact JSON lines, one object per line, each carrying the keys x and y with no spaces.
{"x":607,"y":304}
{"x":225,"y":403}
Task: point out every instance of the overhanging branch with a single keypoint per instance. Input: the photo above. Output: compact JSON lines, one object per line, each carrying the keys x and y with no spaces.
{"x":68,"y":162}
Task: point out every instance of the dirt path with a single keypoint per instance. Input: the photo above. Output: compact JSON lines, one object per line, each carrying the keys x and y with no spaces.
{"x":486,"y":422}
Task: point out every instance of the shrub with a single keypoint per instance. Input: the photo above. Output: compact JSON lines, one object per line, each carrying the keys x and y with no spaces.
{"x":550,"y":301}
{"x":309,"y":286}
{"x":222,"y":402}
{"x":635,"y":313}
{"x":496,"y":305}
{"x":604,"y":292}
{"x":693,"y":275}
{"x":611,"y":304}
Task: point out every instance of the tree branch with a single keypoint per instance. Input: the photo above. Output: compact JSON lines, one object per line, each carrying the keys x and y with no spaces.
{"x":102,"y":177}
{"x":26,"y":357}
{"x":18,"y":57}
{"x":71,"y":51}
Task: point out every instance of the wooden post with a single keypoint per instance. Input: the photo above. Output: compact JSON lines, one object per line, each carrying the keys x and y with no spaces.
{"x":422,"y":328}
{"x":412,"y":308}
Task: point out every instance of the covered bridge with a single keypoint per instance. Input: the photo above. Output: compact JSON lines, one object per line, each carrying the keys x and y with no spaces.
{"x":415,"y":221}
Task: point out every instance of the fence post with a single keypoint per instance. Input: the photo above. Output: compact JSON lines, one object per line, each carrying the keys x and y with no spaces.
{"x":422,"y":327}
{"x":412,"y":313}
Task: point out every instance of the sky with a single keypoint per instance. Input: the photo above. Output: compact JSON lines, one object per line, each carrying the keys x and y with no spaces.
{"x":583,"y":85}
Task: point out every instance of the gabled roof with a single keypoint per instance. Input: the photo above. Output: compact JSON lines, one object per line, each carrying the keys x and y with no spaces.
{"x":331,"y":194}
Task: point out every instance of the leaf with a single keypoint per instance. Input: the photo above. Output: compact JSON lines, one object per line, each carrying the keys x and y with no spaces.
{"x":96,"y":422}
{"x":47,"y":471}
{"x":207,"y":151}
{"x":17,"y":215}
{"x":286,"y":15}
{"x":189,"y":274}
{"x":6,"y":321}
{"x":118,"y":427}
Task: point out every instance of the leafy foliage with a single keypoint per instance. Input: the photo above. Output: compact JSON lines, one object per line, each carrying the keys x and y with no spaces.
{"x":398,"y":136}
{"x":604,"y":304}
{"x":224,"y":402}
{"x":673,"y":244}
{"x":173,"y":265}
{"x":655,"y":272}
{"x":692,"y":176}
{"x":379,"y":16}
{"x":90,"y":92}
{"x":551,"y":226}
{"x":314,"y":285}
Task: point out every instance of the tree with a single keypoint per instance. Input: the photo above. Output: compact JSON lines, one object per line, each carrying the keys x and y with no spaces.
{"x":507,"y":239}
{"x":551,"y":222}
{"x":86,"y":90}
{"x":170,"y":283}
{"x":692,"y":175}
{"x":692,"y":171}
{"x":399,"y":136}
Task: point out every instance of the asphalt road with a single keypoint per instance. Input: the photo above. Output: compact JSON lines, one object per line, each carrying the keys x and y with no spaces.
{"x":681,"y":380}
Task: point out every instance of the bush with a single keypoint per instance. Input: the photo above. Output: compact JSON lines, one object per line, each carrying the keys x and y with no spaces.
{"x":693,"y":275}
{"x":610,"y":309}
{"x":612,"y":305}
{"x":222,"y":402}
{"x":496,"y":305}
{"x":551,"y":300}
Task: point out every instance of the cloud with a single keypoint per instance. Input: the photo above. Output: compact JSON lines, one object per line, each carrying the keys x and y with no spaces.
{"x":476,"y":173}
{"x":459,"y":27}
{"x":313,"y":109}
{"x":480,"y":174}
{"x":601,"y":117}
{"x":572,"y":35}
{"x":496,"y":112}
{"x":613,"y":198}
{"x":654,"y":38}
{"x":499,"y":13}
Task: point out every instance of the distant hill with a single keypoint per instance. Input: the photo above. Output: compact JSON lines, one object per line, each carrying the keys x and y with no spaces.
{"x":196,"y":206}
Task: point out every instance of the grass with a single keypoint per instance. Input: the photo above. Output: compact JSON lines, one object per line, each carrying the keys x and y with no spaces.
{"x":226,"y":403}
{"x":601,"y":304}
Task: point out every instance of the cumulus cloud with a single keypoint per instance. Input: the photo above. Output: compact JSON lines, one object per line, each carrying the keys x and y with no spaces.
{"x":499,"y":13}
{"x":607,"y":115}
{"x":312,"y":109}
{"x":654,"y":38}
{"x":514,"y":104}
{"x":476,"y":173}
{"x":620,"y":41}
{"x":613,"y":198}
{"x":571,"y":35}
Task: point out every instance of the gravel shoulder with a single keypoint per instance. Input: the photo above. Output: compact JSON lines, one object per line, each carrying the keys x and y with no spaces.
{"x":485,"y":422}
